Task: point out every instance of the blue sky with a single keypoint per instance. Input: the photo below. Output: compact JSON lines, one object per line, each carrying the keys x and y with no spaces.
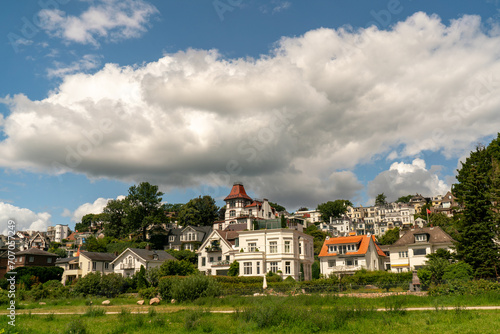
{"x":303,"y":101}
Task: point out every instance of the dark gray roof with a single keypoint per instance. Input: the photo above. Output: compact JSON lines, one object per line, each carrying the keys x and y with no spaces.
{"x":66,"y":259}
{"x":148,"y":254}
{"x":436,"y":236}
{"x":96,"y":256}
{"x":36,"y":251}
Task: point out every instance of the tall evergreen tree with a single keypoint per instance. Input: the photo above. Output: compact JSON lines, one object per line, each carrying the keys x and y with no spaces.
{"x":478,"y":222}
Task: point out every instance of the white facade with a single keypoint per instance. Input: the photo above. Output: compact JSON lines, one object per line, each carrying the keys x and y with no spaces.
{"x":130,"y":260}
{"x":409,"y":252}
{"x":216,"y":254}
{"x":282,"y":251}
{"x":58,"y":233}
{"x":346,"y":255}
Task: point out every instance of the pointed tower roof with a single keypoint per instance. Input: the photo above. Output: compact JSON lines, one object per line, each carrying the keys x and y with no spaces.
{"x":238,"y":191}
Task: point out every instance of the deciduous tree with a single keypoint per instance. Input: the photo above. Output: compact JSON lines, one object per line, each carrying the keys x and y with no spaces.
{"x":333,"y":209}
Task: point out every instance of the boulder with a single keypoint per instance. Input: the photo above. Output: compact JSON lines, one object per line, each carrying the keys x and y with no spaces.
{"x":154,"y":301}
{"x":173,"y":301}
{"x":42,"y":303}
{"x":106,"y":302}
{"x":140,"y":302}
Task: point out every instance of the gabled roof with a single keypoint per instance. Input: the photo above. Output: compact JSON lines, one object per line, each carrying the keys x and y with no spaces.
{"x":96,"y":256}
{"x":238,"y":191}
{"x":66,"y":259}
{"x":148,"y":255}
{"x":254,"y":203}
{"x":363,"y":241}
{"x":36,"y":251}
{"x":436,"y":236}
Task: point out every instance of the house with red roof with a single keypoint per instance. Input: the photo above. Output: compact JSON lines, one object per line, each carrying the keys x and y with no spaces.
{"x":242,"y":209}
{"x":346,"y":255}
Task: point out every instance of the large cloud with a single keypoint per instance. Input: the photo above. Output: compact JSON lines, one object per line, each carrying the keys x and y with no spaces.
{"x":24,"y":219}
{"x":96,"y":207}
{"x":317,"y":104}
{"x":404,"y":179}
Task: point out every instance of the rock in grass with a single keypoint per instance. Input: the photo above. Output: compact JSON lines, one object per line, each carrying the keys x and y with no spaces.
{"x":42,"y":303}
{"x":106,"y":302}
{"x":154,"y":301}
{"x":140,"y":302}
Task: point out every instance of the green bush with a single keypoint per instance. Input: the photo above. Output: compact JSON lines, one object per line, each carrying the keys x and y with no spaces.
{"x":111,"y":285}
{"x":465,"y":288}
{"x":89,"y":284}
{"x":194,"y":287}
{"x":165,"y":287}
{"x":148,"y":293}
{"x":459,"y":271}
{"x":175,"y":267}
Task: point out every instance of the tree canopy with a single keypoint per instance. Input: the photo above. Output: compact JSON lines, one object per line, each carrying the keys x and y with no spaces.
{"x":381,"y":200}
{"x":200,"y":211}
{"x":404,"y":199}
{"x":333,"y":209}
{"x":277,"y":207}
{"x":477,"y":191}
{"x":390,"y":237}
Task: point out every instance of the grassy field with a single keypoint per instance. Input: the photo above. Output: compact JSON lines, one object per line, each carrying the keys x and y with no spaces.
{"x":267,"y":314}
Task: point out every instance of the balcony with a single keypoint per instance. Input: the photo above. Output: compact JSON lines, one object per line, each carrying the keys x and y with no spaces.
{"x":127,"y":266}
{"x":213,"y":249}
{"x":220,"y":263}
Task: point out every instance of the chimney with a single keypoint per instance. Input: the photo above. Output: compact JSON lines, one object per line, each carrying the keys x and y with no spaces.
{"x":148,"y":247}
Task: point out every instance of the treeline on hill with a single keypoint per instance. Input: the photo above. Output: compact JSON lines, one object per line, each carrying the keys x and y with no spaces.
{"x":142,"y":211}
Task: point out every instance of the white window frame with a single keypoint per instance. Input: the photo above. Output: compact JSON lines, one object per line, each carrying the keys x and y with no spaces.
{"x":247,"y":268}
{"x":273,"y":247}
{"x":273,"y":266}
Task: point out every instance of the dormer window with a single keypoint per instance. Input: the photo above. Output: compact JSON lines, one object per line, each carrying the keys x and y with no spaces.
{"x":420,"y":237}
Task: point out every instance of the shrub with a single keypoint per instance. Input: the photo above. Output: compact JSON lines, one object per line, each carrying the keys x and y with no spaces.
{"x":111,"y":285}
{"x":234,"y":269}
{"x":175,"y":267}
{"x":459,"y":271}
{"x":194,"y":287}
{"x":89,"y":284}
{"x":148,"y":293}
{"x":165,"y":287}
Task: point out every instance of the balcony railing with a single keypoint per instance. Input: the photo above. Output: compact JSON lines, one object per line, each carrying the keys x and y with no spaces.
{"x":220,"y":263}
{"x":127,"y":266}
{"x":213,"y":249}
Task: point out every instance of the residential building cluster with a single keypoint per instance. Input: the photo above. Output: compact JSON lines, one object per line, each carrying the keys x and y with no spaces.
{"x":261,"y":240}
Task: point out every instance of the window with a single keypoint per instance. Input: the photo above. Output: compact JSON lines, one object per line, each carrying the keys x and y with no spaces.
{"x":247,"y":268}
{"x":352,"y":262}
{"x":171,"y":238}
{"x":232,"y":213}
{"x":32,"y":259}
{"x":106,"y":265}
{"x":273,"y":247}
{"x":94,"y":265}
{"x":288,"y":268}
{"x":237,"y":242}
{"x":403,"y":254}
{"x":332,"y":263}
{"x":211,"y":259}
{"x":330,"y":249}
{"x":258,"y":267}
{"x":419,"y":251}
{"x":288,"y":246}
{"x":421,"y":237}
{"x":203,"y":261}
{"x":300,"y":248}
{"x":252,"y":246}
{"x":49,"y":260}
{"x":273,"y":266}
{"x":228,"y":258}
{"x":219,"y":258}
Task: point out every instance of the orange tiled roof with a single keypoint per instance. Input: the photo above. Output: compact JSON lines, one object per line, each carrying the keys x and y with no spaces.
{"x":380,"y":252}
{"x":238,"y":191}
{"x":362,"y":240}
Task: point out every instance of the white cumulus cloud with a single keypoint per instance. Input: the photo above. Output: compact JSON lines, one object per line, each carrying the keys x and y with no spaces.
{"x":24,"y":219}
{"x":96,"y":207}
{"x":110,"y":20}
{"x":316,"y":105}
{"x":404,"y":179}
